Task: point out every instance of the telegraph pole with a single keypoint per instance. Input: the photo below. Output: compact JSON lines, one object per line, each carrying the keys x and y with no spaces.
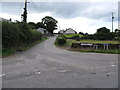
{"x":112,"y":21}
{"x":24,"y":15}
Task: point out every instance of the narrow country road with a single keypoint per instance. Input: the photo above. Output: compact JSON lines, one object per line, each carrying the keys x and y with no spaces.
{"x":46,"y":66}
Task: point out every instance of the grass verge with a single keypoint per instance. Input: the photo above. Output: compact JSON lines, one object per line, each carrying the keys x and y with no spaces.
{"x":102,"y":51}
{"x":11,"y":51}
{"x":94,"y":41}
{"x":68,"y":43}
{"x":71,"y":35}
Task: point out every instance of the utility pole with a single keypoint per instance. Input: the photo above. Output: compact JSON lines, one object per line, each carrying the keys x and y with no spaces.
{"x":24,"y":15}
{"x":112,"y":21}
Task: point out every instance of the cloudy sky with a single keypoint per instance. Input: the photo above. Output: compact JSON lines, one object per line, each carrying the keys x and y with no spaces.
{"x":81,"y":15}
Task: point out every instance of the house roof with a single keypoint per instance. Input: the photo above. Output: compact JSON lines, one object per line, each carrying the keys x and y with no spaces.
{"x":70,"y":30}
{"x":42,"y":30}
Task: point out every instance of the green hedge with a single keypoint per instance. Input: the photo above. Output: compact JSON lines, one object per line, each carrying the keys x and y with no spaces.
{"x":60,"y":40}
{"x":17,"y":34}
{"x":10,"y":34}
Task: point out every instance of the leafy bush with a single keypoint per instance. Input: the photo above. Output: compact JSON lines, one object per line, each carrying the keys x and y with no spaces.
{"x":61,"y":40}
{"x":18,"y":34}
{"x":88,"y":37}
{"x":76,"y":37}
{"x":10,"y":34}
{"x":104,"y":34}
{"x":36,"y":35}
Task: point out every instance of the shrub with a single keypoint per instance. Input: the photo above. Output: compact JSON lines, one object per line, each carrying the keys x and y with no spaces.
{"x":88,"y":37}
{"x":61,"y":40}
{"x":10,"y":34}
{"x":36,"y":35}
{"x":26,"y":33}
{"x":104,"y":34}
{"x":18,"y":34}
{"x":76,"y":37}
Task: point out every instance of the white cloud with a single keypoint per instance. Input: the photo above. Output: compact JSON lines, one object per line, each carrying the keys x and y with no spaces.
{"x":80,"y":24}
{"x":35,"y":17}
{"x":8,"y":16}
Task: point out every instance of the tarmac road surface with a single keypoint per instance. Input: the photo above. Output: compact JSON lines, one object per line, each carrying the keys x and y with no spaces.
{"x":46,"y":66}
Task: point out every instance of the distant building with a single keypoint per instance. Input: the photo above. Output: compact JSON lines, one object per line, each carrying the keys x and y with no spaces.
{"x":42,"y":30}
{"x":70,"y":31}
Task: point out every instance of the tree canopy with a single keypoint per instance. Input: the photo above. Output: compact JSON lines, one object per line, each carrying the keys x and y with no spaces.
{"x":39,"y":24}
{"x":50,"y":23}
{"x":104,"y":34}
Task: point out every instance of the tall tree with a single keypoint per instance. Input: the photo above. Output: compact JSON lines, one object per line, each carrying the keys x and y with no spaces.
{"x":104,"y":34}
{"x":39,"y":25}
{"x":32,"y":25}
{"x":50,"y":23}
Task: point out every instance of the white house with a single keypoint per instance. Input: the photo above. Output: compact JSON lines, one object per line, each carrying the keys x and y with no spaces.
{"x":70,"y":31}
{"x":42,"y":30}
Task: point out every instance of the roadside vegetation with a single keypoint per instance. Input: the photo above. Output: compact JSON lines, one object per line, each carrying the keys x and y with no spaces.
{"x":60,"y":40}
{"x":101,"y":37}
{"x":10,"y":51}
{"x":102,"y":51}
{"x":71,"y":35}
{"x":94,"y":41}
{"x":20,"y":36}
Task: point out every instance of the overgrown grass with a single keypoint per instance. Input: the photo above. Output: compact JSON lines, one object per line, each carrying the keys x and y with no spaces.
{"x":71,"y":35}
{"x":102,"y":51}
{"x":94,"y":41}
{"x":26,"y":47}
{"x":65,"y":45}
{"x":18,"y":37}
{"x":69,"y":42}
{"x":60,"y":40}
{"x":10,"y":51}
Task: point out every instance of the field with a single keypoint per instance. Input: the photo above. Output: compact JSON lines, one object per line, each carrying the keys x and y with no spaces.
{"x":70,"y":41}
{"x":89,"y":41}
{"x":93,"y":41}
{"x":10,"y":51}
{"x":70,"y":35}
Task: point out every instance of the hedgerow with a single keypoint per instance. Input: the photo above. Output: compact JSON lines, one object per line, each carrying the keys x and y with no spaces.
{"x":17,"y":34}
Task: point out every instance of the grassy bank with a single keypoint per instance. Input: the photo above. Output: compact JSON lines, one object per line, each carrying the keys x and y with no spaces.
{"x":115,"y":51}
{"x":69,"y":42}
{"x":102,"y":51}
{"x":18,"y":37}
{"x":94,"y":41}
{"x":11,"y":51}
{"x":71,"y":35}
